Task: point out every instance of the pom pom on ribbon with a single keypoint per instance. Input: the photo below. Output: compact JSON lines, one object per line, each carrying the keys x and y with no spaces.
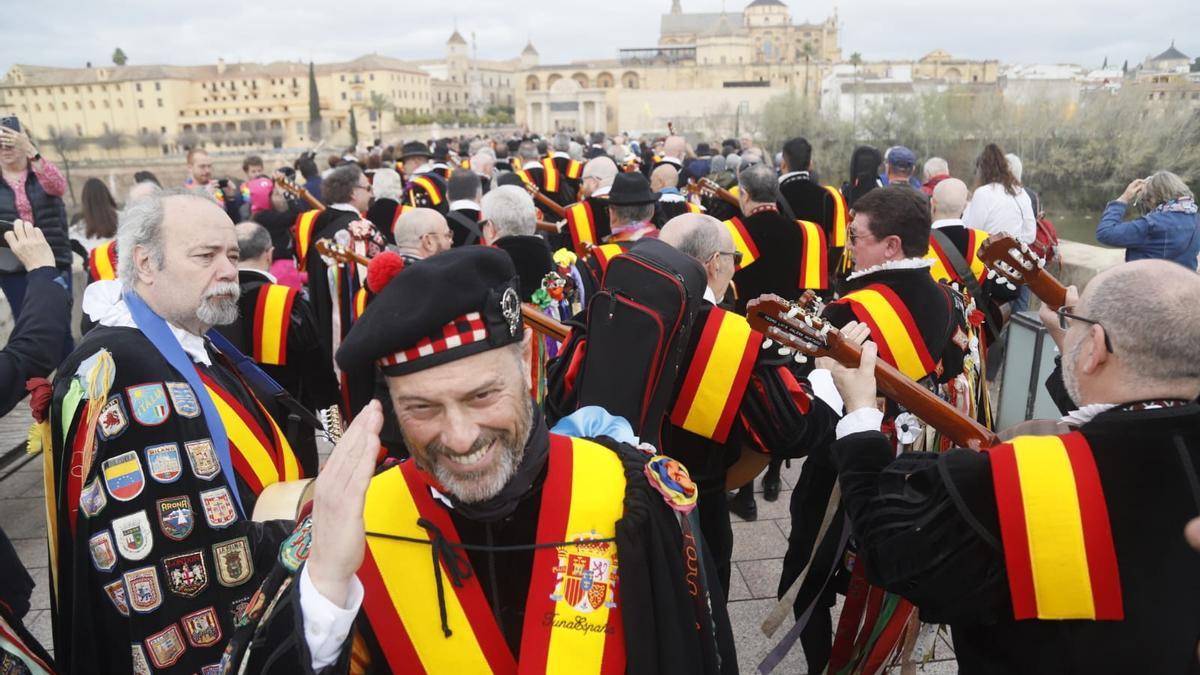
{"x":383,"y":268}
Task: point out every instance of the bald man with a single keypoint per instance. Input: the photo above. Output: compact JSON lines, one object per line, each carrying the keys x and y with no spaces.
{"x":802,"y":422}
{"x":421,"y":233}
{"x":977,"y":540}
{"x":947,"y":204}
{"x":671,"y":202}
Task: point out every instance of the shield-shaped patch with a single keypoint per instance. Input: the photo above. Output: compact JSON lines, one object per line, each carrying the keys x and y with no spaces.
{"x":175,"y":517}
{"x":123,"y":476}
{"x":148,"y":404}
{"x":133,"y":537}
{"x":145,"y":595}
{"x":116,"y":592}
{"x":186,"y":573}
{"x":184,"y":399}
{"x":294,"y":549}
{"x":232,"y":559}
{"x":92,"y":499}
{"x":140,"y":665}
{"x":163,"y":462}
{"x":202,"y":627}
{"x":104,"y":555}
{"x":218,"y":507}
{"x":112,"y":420}
{"x":166,"y":646}
{"x":203,"y":458}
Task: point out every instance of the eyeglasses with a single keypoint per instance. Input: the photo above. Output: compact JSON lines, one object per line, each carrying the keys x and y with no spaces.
{"x":736,"y":255}
{"x":854,"y":236}
{"x":363,"y":187}
{"x":1064,"y":314}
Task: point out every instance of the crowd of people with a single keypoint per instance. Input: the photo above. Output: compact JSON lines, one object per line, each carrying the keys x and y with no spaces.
{"x":551,"y":368}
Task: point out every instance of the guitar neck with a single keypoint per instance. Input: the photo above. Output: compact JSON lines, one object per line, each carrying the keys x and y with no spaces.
{"x":540,"y":323}
{"x":550,"y":205}
{"x":543,"y":226}
{"x":1047,"y":289}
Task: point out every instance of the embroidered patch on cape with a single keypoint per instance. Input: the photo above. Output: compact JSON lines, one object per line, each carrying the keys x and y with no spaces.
{"x":232,"y":560}
{"x":218,"y":507}
{"x":176,"y":517}
{"x":587,"y":574}
{"x":202,"y":627}
{"x":123,"y":476}
{"x":186,"y":573}
{"x":133,"y":537}
{"x":184,"y":399}
{"x":166,"y":646}
{"x":237,"y":611}
{"x":104,"y":554}
{"x":294,"y":549}
{"x":116,"y":592}
{"x":203,"y":458}
{"x":112,"y":420}
{"x":145,"y":595}
{"x":148,"y":404}
{"x":92,"y":499}
{"x":672,"y":481}
{"x":140,"y":665}
{"x":163,"y":462}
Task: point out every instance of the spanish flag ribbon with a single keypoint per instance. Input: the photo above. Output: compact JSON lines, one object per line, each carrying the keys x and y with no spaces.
{"x":431,"y":189}
{"x":742,"y":241}
{"x":260,"y":456}
{"x":943,"y":269}
{"x":272,"y":319}
{"x":814,"y":261}
{"x":581,"y":223}
{"x":302,"y":232}
{"x":893,"y":329}
{"x":102,"y":261}
{"x":841,"y":217}
{"x":717,"y":376}
{"x":550,"y":171}
{"x":1058,"y":545}
{"x":605,"y":253}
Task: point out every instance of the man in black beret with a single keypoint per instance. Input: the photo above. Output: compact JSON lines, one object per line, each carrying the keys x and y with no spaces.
{"x":500,"y":542}
{"x":631,"y":208}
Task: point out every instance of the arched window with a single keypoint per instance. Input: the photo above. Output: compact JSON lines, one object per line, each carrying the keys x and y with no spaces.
{"x":582,"y":79}
{"x":532,"y":83}
{"x":629,"y":80}
{"x":604,"y":80}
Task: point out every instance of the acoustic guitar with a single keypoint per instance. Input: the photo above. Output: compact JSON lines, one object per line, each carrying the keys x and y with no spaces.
{"x":299,"y":191}
{"x":1013,"y":260}
{"x":708,"y":187}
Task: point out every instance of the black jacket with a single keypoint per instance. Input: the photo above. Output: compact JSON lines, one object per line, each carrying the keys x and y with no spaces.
{"x":36,"y":343}
{"x":49,"y":215}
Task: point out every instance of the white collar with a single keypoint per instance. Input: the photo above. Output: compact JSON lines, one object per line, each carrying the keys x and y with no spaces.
{"x":801,"y":174}
{"x":902,"y":264}
{"x":672,"y":160}
{"x":103,"y":303}
{"x":709,"y":295}
{"x":602,"y":191}
{"x":460,"y":204}
{"x":1082,"y":416}
{"x":670,"y":197}
{"x":560,"y":154}
{"x":424,"y":168}
{"x":947,"y":222}
{"x":270,"y":277}
{"x":343,"y":206}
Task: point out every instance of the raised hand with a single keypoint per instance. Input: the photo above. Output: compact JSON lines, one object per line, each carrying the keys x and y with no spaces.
{"x":29,"y":245}
{"x":339,"y":532}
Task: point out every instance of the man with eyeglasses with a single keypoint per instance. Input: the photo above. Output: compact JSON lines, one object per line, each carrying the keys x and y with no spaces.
{"x":1055,"y":553}
{"x":776,"y":415}
{"x":921,"y":329}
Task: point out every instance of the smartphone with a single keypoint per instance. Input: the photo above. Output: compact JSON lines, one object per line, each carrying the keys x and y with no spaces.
{"x":11,"y":122}
{"x":5,"y":226}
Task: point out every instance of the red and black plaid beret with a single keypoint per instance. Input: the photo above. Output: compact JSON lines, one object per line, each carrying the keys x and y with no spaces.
{"x":458,"y":303}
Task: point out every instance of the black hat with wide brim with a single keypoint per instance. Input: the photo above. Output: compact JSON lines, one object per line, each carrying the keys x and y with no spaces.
{"x":630,"y":189}
{"x":414,"y":149}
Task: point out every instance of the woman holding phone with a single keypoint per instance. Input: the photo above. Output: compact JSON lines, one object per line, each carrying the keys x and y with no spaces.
{"x":31,"y":191}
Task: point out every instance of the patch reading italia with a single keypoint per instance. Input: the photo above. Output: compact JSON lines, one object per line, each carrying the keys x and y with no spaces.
{"x":202,"y":627}
{"x":104,"y":554}
{"x":218,"y":507}
{"x":92,"y":499}
{"x":232,"y":559}
{"x":166,"y":646}
{"x":175,"y":517}
{"x":145,"y":595}
{"x":184,"y":399}
{"x":134,"y":539}
{"x":186,"y":574}
{"x":116,"y":592}
{"x":123,"y":476}
{"x":203,"y":458}
{"x":112,"y":420}
{"x":148,"y":404}
{"x":163,"y":462}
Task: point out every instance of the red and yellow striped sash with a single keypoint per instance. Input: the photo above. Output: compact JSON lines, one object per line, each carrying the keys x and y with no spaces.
{"x":551,"y":175}
{"x":814,"y":262}
{"x":102,"y":262}
{"x":605,"y":253}
{"x":574,"y":169}
{"x":360,"y":303}
{"x":943,"y":269}
{"x":742,"y":241}
{"x":694,"y":208}
{"x":892,"y":328}
{"x":272,"y":319}
{"x":302,"y":232}
{"x":401,"y":209}
{"x":581,"y":223}
{"x":1058,"y":546}
{"x":717,"y":376}
{"x":841,"y":216}
{"x":430,"y":188}
{"x":582,"y":499}
{"x":260,"y":456}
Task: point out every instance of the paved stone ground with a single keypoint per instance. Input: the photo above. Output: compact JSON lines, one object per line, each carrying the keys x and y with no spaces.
{"x":757,"y":556}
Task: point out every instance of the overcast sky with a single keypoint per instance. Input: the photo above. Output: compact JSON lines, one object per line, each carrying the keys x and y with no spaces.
{"x":72,"y":32}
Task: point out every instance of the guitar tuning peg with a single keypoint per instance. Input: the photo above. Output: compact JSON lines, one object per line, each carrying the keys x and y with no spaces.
{"x":784,"y":351}
{"x":800,"y":358}
{"x":767,"y":343}
{"x":791,"y":313}
{"x":1041,"y":263}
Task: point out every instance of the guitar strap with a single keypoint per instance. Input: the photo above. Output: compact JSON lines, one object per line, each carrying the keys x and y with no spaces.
{"x":475,"y":233}
{"x":963,"y":270}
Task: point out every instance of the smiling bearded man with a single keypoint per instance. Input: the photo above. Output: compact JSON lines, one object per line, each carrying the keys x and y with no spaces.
{"x":500,"y":544}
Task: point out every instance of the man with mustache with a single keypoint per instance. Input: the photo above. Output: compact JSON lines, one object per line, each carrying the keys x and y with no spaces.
{"x":1054,"y":553}
{"x":159,"y":452}
{"x":499,"y":544}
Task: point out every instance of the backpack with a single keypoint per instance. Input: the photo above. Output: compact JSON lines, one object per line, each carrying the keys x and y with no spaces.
{"x":637,"y":332}
{"x":1045,"y":243}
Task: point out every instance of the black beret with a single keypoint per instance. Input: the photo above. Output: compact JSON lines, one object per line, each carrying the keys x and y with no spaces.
{"x":456,"y":304}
